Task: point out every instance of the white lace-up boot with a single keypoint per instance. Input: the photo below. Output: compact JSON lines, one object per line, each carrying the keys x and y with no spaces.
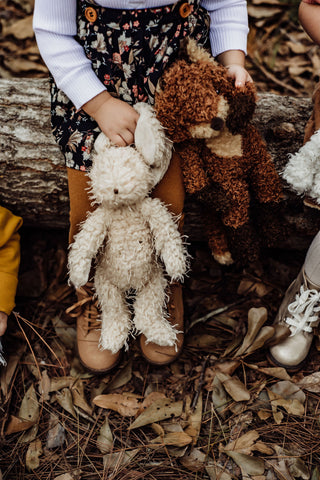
{"x":300,"y":311}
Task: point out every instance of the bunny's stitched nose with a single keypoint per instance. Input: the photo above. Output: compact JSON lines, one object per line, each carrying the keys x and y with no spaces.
{"x":217,"y":123}
{"x":116,"y":191}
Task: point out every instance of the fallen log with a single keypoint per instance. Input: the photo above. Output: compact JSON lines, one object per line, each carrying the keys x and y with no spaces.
{"x":33,"y":178}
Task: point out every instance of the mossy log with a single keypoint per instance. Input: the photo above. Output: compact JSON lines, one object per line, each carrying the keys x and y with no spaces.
{"x":33,"y":177}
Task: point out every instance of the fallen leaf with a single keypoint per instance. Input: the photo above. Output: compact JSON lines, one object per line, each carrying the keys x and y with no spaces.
{"x":234,"y":387}
{"x":56,"y":434}
{"x":195,"y":461}
{"x":113,"y":461}
{"x":105,"y":437}
{"x":265,"y":334}
{"x":288,"y":390}
{"x":8,"y":371}
{"x":178,"y":439}
{"x":16,"y":425}
{"x":277,"y":372}
{"x":33,"y":453}
{"x":256,"y":318}
{"x":194,"y":420}
{"x":64,"y":398}
{"x":161,"y":409}
{"x":219,"y":396}
{"x":126,"y":405}
{"x":248,"y":464}
{"x":291,"y":405}
{"x":121,"y":378}
{"x":310,"y":382}
{"x":243,"y":444}
{"x":216,"y":472}
{"x":66,"y":333}
{"x":78,"y":397}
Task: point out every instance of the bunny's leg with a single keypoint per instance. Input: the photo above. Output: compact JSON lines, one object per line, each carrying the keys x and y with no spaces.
{"x":149,"y":309}
{"x":115,"y":314}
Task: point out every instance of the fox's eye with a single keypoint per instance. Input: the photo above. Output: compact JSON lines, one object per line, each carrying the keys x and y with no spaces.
{"x":217,"y":91}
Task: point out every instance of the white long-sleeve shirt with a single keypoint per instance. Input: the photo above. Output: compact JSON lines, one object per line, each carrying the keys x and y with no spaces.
{"x":55,"y":25}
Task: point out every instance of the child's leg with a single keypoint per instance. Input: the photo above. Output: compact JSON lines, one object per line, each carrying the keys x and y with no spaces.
{"x":300,"y":311}
{"x":85,"y":310}
{"x":171,"y":191}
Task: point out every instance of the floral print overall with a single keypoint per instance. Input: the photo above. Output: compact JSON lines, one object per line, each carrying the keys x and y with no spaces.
{"x":129,"y":50}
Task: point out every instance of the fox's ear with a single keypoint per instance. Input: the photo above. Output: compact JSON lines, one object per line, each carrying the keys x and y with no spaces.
{"x":102,"y":143}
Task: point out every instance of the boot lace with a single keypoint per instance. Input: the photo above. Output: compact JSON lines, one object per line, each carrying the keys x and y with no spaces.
{"x":87,"y":307}
{"x":302,"y":311}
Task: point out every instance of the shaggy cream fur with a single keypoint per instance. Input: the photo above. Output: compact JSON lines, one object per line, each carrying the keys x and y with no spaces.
{"x":302,"y":171}
{"x":131,"y":236}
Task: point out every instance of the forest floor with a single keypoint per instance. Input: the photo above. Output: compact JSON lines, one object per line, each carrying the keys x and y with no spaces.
{"x":221,"y":411}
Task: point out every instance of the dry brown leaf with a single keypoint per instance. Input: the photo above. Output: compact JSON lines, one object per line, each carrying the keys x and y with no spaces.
{"x":177,"y":439}
{"x":219,"y":396}
{"x":105,"y":438}
{"x":17,"y":425}
{"x":160,"y":409}
{"x":58,"y":383}
{"x":33,"y":453}
{"x":79,"y":398}
{"x":276,"y":372}
{"x":125,"y":404}
{"x":265,"y":334}
{"x":292,"y":406}
{"x":66,"y":333}
{"x":64,"y":398}
{"x":194,"y":420}
{"x":256,"y":318}
{"x":310,"y":382}
{"x":8,"y":371}
{"x":248,"y":464}
{"x":247,"y":286}
{"x":29,"y":408}
{"x":243,"y":444}
{"x":288,"y":390}
{"x":121,"y":378}
{"x":216,"y":472}
{"x":194,"y":461}
{"x":56,"y":434}
{"x":234,"y":387}
{"x":118,"y":460}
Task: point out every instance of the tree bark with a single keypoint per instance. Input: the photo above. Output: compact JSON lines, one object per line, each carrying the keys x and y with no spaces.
{"x":33,"y":176}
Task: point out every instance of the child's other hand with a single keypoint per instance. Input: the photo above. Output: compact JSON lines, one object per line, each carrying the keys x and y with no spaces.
{"x":3,"y":323}
{"x":239,"y":74}
{"x":116,"y":118}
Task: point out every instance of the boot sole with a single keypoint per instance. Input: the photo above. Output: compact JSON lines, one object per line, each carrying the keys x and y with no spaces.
{"x":292,"y":369}
{"x":100,"y":372}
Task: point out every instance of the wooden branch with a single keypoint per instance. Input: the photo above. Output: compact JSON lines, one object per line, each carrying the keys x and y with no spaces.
{"x":33,"y":177}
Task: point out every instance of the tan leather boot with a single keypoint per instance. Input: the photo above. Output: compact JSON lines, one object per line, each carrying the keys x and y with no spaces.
{"x":88,"y":333}
{"x":156,"y":354}
{"x":300,"y":311}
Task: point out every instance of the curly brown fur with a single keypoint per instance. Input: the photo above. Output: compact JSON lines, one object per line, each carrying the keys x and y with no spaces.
{"x":208,"y":118}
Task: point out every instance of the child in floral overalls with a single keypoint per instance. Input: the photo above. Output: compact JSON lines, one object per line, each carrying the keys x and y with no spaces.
{"x":104,"y":56}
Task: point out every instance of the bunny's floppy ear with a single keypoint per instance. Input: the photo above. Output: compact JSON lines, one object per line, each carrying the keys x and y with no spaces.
{"x":102,"y":143}
{"x":150,"y":139}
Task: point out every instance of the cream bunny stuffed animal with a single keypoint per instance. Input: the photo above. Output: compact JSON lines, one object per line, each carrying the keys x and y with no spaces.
{"x":131,"y":236}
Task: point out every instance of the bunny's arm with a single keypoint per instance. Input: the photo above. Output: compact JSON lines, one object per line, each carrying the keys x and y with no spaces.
{"x":167,"y":239}
{"x":86,"y":245}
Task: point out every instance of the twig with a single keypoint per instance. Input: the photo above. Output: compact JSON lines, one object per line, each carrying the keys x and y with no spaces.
{"x":200,"y":384}
{"x":214,"y":313}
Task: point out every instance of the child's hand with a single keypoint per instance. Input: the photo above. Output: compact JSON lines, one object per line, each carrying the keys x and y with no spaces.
{"x":116,"y":118}
{"x":234,"y":61}
{"x":239,"y":74}
{"x":3,"y":323}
